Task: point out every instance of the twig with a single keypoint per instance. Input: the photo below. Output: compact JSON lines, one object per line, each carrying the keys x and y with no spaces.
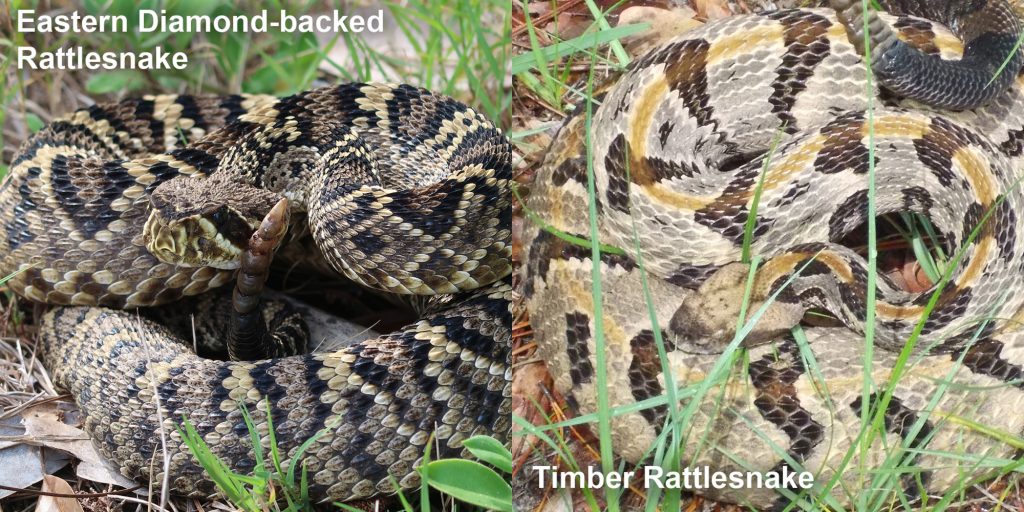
{"x":104,"y":494}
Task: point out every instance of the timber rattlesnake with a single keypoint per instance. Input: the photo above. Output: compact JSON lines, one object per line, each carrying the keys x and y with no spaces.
{"x":678,"y":145}
{"x":401,"y":189}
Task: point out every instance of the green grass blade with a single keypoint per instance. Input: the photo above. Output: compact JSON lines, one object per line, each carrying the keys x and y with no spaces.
{"x":539,"y":57}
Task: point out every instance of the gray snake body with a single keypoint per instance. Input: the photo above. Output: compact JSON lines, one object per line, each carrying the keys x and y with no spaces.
{"x":147,"y":201}
{"x":679,"y":145}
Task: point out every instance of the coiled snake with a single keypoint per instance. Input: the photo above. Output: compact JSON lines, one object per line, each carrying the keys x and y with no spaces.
{"x":679,"y":145}
{"x":146,"y":201}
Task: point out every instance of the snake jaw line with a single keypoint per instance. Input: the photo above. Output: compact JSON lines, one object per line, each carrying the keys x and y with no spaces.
{"x":206,"y":222}
{"x":194,"y":223}
{"x":192,"y":242}
{"x":706,"y":321}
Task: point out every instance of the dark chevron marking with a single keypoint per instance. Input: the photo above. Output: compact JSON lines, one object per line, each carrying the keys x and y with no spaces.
{"x":577,"y":347}
{"x":807,"y":45}
{"x":777,"y":402}
{"x":985,"y":357}
{"x":644,"y":370}
{"x":899,"y":420}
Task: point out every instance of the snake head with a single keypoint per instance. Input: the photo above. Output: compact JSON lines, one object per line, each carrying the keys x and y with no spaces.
{"x":204,"y":222}
{"x":705,"y":322}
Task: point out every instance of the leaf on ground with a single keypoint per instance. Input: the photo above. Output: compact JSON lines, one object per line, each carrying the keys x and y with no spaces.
{"x":517,"y":231}
{"x":665,"y":24}
{"x":909,"y":275}
{"x":538,"y":9}
{"x":712,"y":9}
{"x":527,"y":382}
{"x":532,"y":135}
{"x":55,"y":503}
{"x":24,"y":465}
{"x":569,"y":25}
{"x":104,"y":473}
{"x":43,"y":427}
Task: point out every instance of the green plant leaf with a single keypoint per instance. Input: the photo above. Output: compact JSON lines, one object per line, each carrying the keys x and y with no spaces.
{"x":34,"y":122}
{"x":157,"y":39}
{"x":169,"y":82}
{"x":469,"y":481}
{"x":261,"y":81}
{"x":528,"y":61}
{"x":126,"y":8}
{"x":192,"y":7}
{"x":491,"y":451}
{"x":113,"y":81}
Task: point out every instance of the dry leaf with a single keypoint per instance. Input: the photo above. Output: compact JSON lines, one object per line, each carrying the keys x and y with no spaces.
{"x":43,"y":427}
{"x":665,"y":24}
{"x":526,"y":381}
{"x":54,"y":503}
{"x":24,"y":465}
{"x":712,"y":9}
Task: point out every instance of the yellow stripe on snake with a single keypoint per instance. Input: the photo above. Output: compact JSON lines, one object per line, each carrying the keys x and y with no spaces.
{"x":679,"y":145}
{"x":147,"y":201}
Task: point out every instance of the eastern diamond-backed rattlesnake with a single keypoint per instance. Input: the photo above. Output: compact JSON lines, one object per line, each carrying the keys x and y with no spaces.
{"x":403,"y":190}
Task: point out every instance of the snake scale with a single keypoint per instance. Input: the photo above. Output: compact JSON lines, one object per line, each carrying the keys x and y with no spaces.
{"x":147,"y":201}
{"x":679,"y":143}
